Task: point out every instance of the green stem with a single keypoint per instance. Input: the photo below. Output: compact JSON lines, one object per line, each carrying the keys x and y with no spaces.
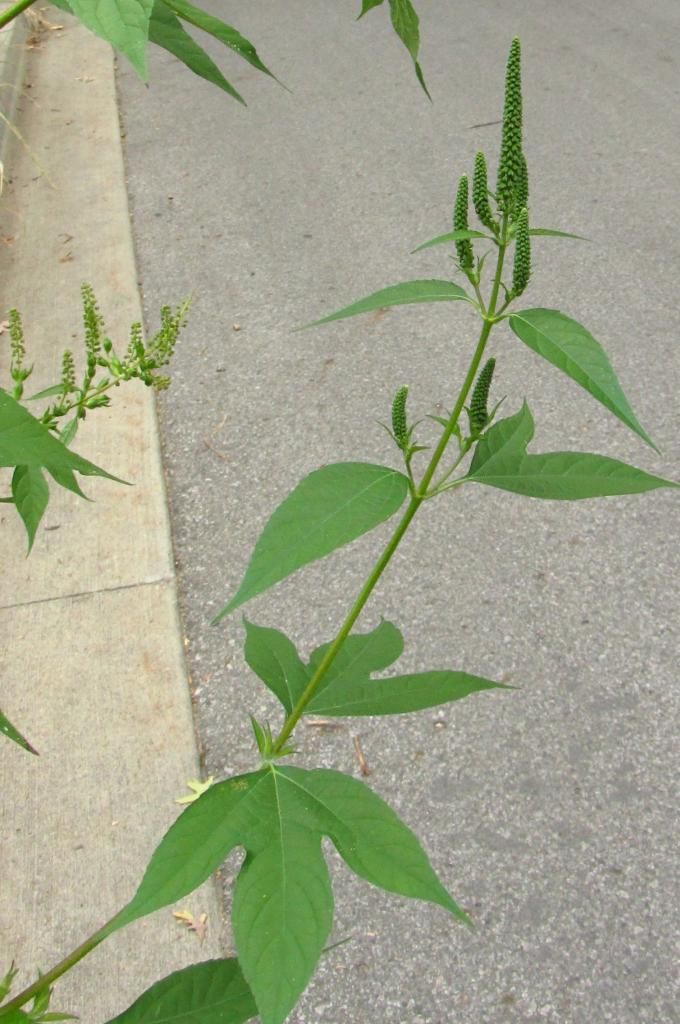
{"x":45,"y":980}
{"x":86,"y":393}
{"x":414,"y":504}
{"x":355,"y":611}
{"x":10,"y":13}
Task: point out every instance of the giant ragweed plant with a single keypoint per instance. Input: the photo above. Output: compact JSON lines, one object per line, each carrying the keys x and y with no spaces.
{"x":33,"y":445}
{"x":278,"y":813}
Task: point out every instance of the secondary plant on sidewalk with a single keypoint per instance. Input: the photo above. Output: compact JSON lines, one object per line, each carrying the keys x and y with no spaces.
{"x":33,"y":446}
{"x":278,"y":813}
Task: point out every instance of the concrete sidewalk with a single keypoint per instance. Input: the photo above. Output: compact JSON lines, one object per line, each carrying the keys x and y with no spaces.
{"x":93,"y":668}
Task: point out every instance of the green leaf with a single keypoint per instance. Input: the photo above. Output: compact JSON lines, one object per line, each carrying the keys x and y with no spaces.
{"x":25,"y":441}
{"x":13,"y":734}
{"x":68,"y":433}
{"x":123,"y":23}
{"x":14,"y":1017}
{"x":31,"y":495}
{"x":560,"y":476}
{"x":212,"y":992}
{"x":361,"y":654}
{"x":570,"y":347}
{"x":557,"y":234}
{"x":370,"y":837}
{"x":347,"y":688}
{"x":194,"y":846}
{"x":64,"y":476}
{"x":506,"y":440}
{"x":56,"y":389}
{"x":368,"y":5}
{"x":223,"y":33}
{"x":398,"y":295}
{"x":53,"y":1015}
{"x":398,"y":695}
{"x":282,"y":906}
{"x":273,"y":657}
{"x":451,"y":236}
{"x":405,"y":23}
{"x":329,"y":508}
{"x":167,"y":31}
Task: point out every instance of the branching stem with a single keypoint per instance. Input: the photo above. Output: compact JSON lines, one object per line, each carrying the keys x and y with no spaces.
{"x":417,"y":497}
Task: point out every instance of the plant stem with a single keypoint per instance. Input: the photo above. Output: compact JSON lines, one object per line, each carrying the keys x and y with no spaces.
{"x":364,"y":594}
{"x":10,"y":13}
{"x":414,"y":504}
{"x":45,"y":980}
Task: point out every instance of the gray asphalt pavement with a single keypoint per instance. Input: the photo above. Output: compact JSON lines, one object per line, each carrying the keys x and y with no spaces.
{"x":548,"y":812}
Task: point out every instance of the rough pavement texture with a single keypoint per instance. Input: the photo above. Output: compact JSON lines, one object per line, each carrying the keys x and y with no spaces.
{"x":549,"y":812}
{"x":92,"y":659}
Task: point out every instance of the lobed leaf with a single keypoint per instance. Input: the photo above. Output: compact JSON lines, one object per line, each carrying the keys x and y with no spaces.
{"x":407,"y":293}
{"x":347,"y":688}
{"x":193,"y":847}
{"x":329,"y":508}
{"x":273,"y":657}
{"x":167,"y":31}
{"x":501,"y":461}
{"x":361,"y":654}
{"x":25,"y":441}
{"x":572,"y":349}
{"x":398,"y":695}
{"x":212,"y":992}
{"x":31,"y":496}
{"x":12,"y":733}
{"x":283,"y":904}
{"x":30,"y":447}
{"x":370,"y":837}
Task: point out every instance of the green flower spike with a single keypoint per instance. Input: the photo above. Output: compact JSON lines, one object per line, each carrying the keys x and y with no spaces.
{"x":511,"y":159}
{"x":460,"y":223}
{"x":478,"y":413}
{"x":521,"y":269}
{"x":399,"y":428}
{"x":68,"y":372}
{"x":93,"y":322}
{"x":522,"y":187}
{"x":480,"y":194}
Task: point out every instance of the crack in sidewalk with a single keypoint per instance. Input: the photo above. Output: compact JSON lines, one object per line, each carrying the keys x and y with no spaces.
{"x":88,"y":593}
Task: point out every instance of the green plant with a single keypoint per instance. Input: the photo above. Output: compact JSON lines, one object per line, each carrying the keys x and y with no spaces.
{"x":129,"y":25}
{"x":278,"y":813}
{"x":34,"y":444}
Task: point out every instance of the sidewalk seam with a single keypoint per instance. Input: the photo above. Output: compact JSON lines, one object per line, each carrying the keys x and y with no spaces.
{"x":88,"y":593}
